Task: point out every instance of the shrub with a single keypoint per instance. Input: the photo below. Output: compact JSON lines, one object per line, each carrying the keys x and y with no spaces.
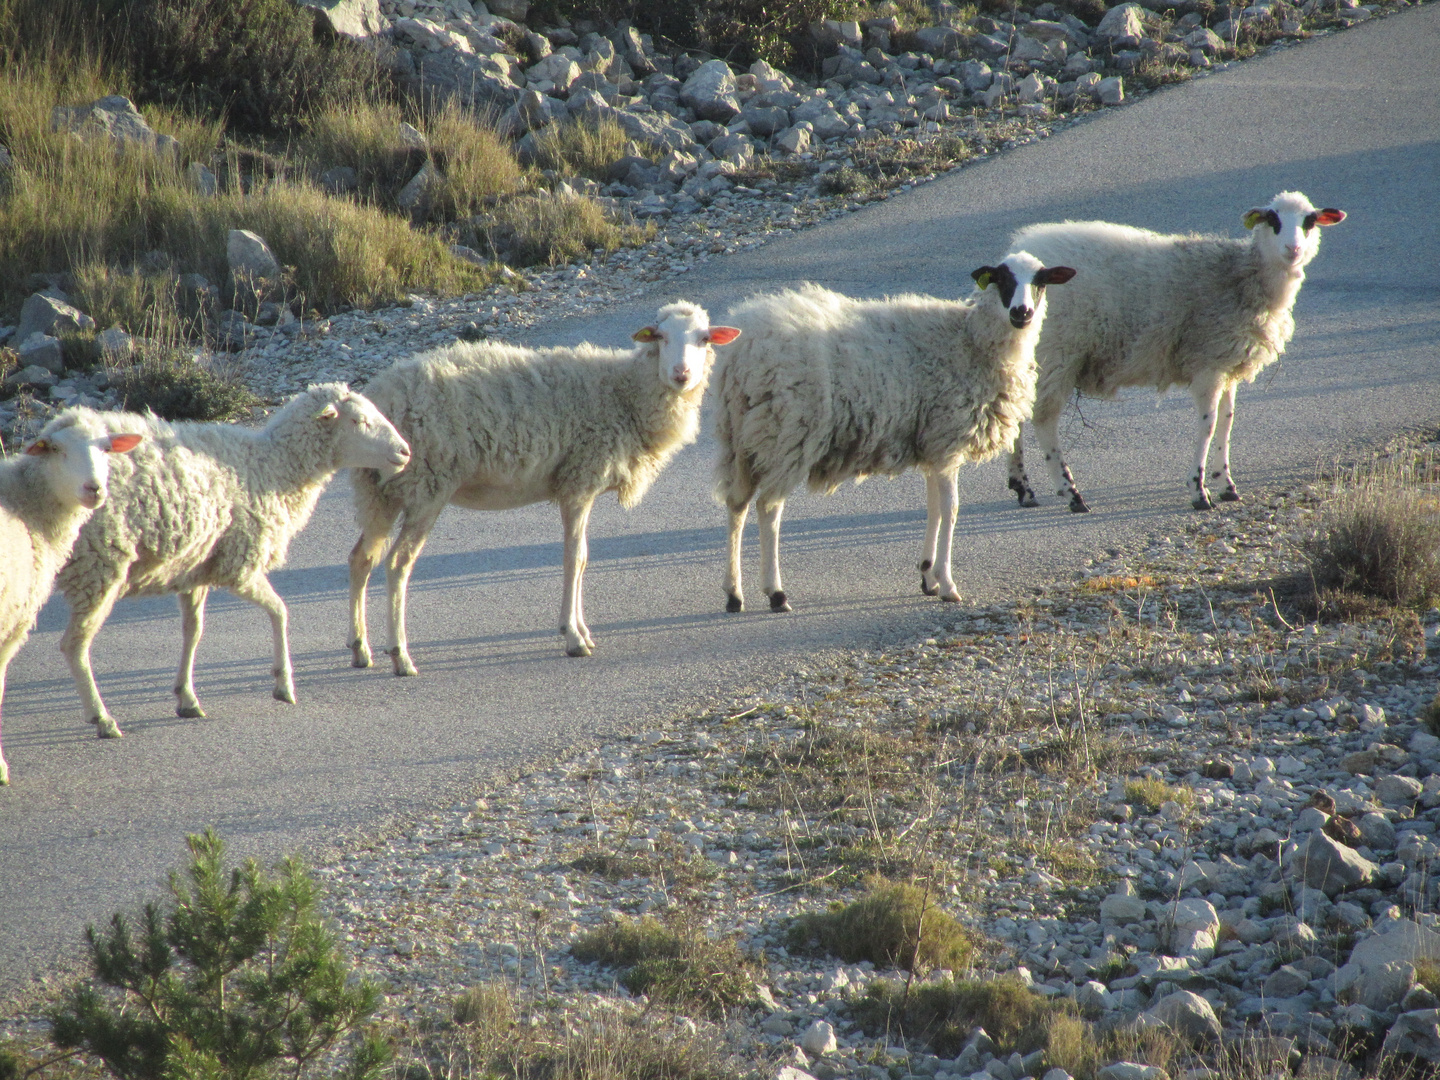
{"x":169,"y":383}
{"x":944,"y":1014}
{"x":235,"y":977}
{"x":674,"y":963}
{"x":892,"y":925}
{"x":261,"y":64}
{"x":581,"y":148}
{"x":1382,"y":542}
{"x":545,"y":228}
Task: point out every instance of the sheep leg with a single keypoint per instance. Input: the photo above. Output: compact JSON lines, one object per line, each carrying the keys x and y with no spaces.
{"x":367,"y":552}
{"x":1224,"y":422}
{"x":262,"y":594}
{"x":85,"y":623}
{"x":1207,"y":397}
{"x":1047,"y":432}
{"x":574,"y":519}
{"x":942,"y":498}
{"x":734,"y":596}
{"x":769,"y":515}
{"x":4,"y":768}
{"x":192,"y":623}
{"x":1019,"y":478}
{"x":403,"y":553}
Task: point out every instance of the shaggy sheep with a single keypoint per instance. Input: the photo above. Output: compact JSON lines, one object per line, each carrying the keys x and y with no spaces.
{"x":495,"y":427}
{"x":1151,"y":310}
{"x":45,"y":496}
{"x":212,"y":505}
{"x":823,"y":389}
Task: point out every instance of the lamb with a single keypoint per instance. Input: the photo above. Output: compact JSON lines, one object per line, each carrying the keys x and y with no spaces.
{"x":46,"y":494}
{"x":1154,"y":310}
{"x":824,"y":388}
{"x":496,"y":426}
{"x":214,"y":505}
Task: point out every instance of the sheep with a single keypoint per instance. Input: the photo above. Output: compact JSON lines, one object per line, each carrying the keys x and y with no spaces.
{"x":1157,"y":310}
{"x":214,"y":505}
{"x":824,"y":388}
{"x":497,"y":426}
{"x":46,"y":494}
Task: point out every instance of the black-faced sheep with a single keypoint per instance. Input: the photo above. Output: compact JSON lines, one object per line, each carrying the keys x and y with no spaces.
{"x":214,"y":505}
{"x":823,"y":388}
{"x":1159,"y":310}
{"x":496,"y":426}
{"x":46,"y":494}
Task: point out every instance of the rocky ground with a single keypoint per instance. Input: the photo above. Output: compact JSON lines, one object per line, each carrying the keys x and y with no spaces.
{"x":1155,"y":793}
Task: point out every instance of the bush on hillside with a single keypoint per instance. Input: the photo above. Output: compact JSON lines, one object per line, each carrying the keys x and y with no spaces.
{"x":262,"y":64}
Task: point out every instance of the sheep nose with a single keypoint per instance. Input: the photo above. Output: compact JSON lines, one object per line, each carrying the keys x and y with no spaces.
{"x":1021,"y":316}
{"x":91,"y":494}
{"x":681,"y":376}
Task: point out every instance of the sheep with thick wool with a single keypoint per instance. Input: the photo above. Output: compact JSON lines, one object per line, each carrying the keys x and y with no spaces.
{"x":496,"y":426}
{"x":1158,"y":310}
{"x":46,"y":494}
{"x":824,"y":388}
{"x":214,"y":505}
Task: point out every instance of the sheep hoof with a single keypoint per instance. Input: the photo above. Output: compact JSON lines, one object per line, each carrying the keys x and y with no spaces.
{"x":284,"y":694}
{"x":108,"y":729}
{"x":951,"y":595}
{"x":190,"y":712}
{"x":4,"y":774}
{"x":1230,"y":495}
{"x":733,"y":604}
{"x":778,"y":601}
{"x":578,"y":650}
{"x":1077,"y":504}
{"x":1203,"y":503}
{"x":403,"y":665}
{"x":359,"y":654}
{"x":1023,"y":493}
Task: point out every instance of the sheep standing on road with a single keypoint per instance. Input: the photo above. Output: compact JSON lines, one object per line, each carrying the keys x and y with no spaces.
{"x":495,"y":426}
{"x":1155,"y":310}
{"x":823,"y":389}
{"x":210,"y":505}
{"x":46,"y":494}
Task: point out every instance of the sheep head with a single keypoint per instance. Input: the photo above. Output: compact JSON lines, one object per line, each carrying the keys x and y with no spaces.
{"x":1290,"y":237}
{"x":1020,"y":282}
{"x":683,"y":337}
{"x":75,"y":448}
{"x":364,"y":438}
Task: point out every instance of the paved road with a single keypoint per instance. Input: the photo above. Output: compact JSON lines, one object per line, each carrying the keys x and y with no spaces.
{"x":1352,"y":120}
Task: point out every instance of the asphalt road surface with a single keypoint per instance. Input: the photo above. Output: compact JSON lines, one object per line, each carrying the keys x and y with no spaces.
{"x":89,"y":826}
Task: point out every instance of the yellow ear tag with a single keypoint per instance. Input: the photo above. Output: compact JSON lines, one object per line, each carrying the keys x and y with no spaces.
{"x":1253,"y":218}
{"x":39,"y":446}
{"x":648,"y":333}
{"x":983,"y":281}
{"x":329,"y":412}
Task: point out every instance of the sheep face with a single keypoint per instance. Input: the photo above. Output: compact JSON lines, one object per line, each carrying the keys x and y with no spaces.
{"x":683,"y":336}
{"x":1019,"y":283}
{"x":1288,"y":230}
{"x":365,"y":439}
{"x":75,"y":452}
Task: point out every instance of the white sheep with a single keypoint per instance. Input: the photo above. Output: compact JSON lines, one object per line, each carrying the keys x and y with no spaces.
{"x":1159,"y":310}
{"x":824,"y":388}
{"x":496,"y":426}
{"x":214,"y":505}
{"x":46,"y":494}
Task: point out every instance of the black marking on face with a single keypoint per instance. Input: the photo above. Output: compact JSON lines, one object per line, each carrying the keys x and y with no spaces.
{"x":1310,"y":220}
{"x":1273,"y":220}
{"x":1004,"y":279}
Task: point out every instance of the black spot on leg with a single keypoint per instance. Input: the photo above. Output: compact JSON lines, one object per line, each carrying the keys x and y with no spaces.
{"x":924,"y":566}
{"x":778,"y":602}
{"x":733,"y":603}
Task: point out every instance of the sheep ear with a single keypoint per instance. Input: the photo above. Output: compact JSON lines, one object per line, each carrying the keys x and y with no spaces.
{"x":722,"y":335}
{"x":38,"y":447}
{"x":1255,"y":217}
{"x":1329,"y":216}
{"x":982,"y":276}
{"x":648,"y":333}
{"x":1054,"y":275}
{"x":329,"y":412}
{"x":123,"y":444}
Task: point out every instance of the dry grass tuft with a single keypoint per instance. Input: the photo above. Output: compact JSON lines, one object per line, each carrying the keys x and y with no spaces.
{"x":544,"y":228}
{"x":1150,"y":795}
{"x":581,"y":148}
{"x":892,"y":925}
{"x":944,"y":1013}
{"x":672,"y":962}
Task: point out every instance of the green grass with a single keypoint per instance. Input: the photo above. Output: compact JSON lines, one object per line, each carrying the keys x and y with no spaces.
{"x":579,"y":148}
{"x":1151,"y":795}
{"x":892,"y":925}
